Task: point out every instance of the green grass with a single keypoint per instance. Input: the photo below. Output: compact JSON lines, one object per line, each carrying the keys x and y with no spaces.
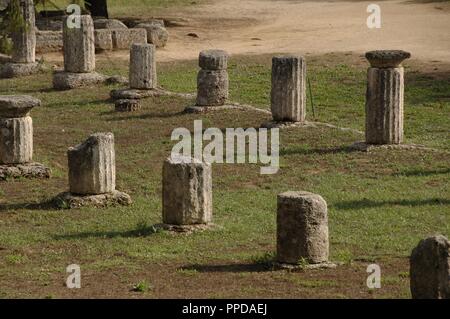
{"x":380,"y":204}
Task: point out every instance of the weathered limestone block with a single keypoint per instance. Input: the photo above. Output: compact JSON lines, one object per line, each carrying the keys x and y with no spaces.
{"x":142,"y":66}
{"x":187,"y":191}
{"x":49,"y":41}
{"x":288,"y":94}
{"x":24,"y":170}
{"x":124,"y":38}
{"x":213,"y":60}
{"x":68,"y":80}
{"x":92,"y":166}
{"x":156,"y":34}
{"x":103,"y":40}
{"x":109,"y":24}
{"x":17,"y":105}
{"x":24,"y":39}
{"x":384,"y":97}
{"x":212,"y":87}
{"x":127,"y":105}
{"x":16,"y":140}
{"x":430,"y":269}
{"x":302,"y":228}
{"x":79,"y":46}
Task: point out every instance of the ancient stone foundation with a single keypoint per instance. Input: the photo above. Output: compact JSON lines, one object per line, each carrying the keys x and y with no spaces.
{"x":302,"y":229}
{"x":384,"y":97}
{"x":16,"y":138}
{"x":92,"y":174}
{"x":288,"y":94}
{"x":430,"y":269}
{"x":212,"y":79}
{"x":142,"y":66}
{"x":23,"y":61}
{"x":79,"y":57}
{"x":187,"y":191}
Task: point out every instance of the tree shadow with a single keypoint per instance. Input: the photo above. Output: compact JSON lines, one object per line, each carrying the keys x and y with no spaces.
{"x":367,"y":203}
{"x":319,"y":151}
{"x":231,"y":268}
{"x":46,"y":205}
{"x":134,"y":233}
{"x":151,"y":115}
{"x":418,"y":172}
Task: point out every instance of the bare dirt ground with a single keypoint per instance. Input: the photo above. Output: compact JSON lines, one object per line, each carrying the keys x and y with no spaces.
{"x":308,"y":27}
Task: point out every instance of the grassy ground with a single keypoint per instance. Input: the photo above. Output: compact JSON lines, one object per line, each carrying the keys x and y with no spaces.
{"x":380,"y":204}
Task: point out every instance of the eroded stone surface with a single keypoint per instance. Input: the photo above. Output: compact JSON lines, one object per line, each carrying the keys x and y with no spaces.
{"x":16,"y":140}
{"x":212,"y":87}
{"x":213,"y":60}
{"x":156,"y":34}
{"x":79,"y":46}
{"x":92,"y":165}
{"x":26,"y":170}
{"x":115,"y":198}
{"x":109,"y":24}
{"x":430,"y":269}
{"x":187,"y":191}
{"x":302,"y":228}
{"x":127,"y":105}
{"x":13,"y":70}
{"x":68,"y":80}
{"x":103,"y":40}
{"x":142,"y":66}
{"x":24,"y":39}
{"x":384,"y":106}
{"x":124,"y":38}
{"x":288,"y":94}
{"x":387,"y":58}
{"x":17,"y":105}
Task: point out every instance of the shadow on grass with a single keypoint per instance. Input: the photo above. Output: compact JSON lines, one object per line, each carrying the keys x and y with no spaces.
{"x":233,"y":268}
{"x":418,"y":172}
{"x":320,"y":151}
{"x":141,"y":116}
{"x":47,"y":205}
{"x":142,"y":231}
{"x":367,"y":203}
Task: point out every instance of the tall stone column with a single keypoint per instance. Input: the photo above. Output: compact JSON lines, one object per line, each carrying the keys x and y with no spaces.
{"x":143,"y":66}
{"x":24,"y":40}
{"x":92,"y":165}
{"x":384,"y":97}
{"x":79,"y":46}
{"x":187,"y":191}
{"x":212,"y":79}
{"x":302,"y":228}
{"x":288,"y":94}
{"x":16,"y":138}
{"x":430,"y":269}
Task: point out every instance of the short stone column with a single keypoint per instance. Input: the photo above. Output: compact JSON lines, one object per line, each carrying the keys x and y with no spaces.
{"x":92,"y":175}
{"x":24,"y":39}
{"x":187,"y":191}
{"x":288,"y":94}
{"x":384,"y":97}
{"x":23,"y":59}
{"x":430,"y":269}
{"x":142,"y":66}
{"x":79,"y":56}
{"x":79,"y":45}
{"x":302,"y":228}
{"x":16,"y":138}
{"x":212,"y":79}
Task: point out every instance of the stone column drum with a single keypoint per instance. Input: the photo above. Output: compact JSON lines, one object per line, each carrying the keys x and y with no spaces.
{"x":384,"y":97}
{"x":24,"y":39}
{"x":79,"y":46}
{"x":142,"y":66}
{"x":212,"y":79}
{"x":92,"y":165}
{"x":16,"y":129}
{"x":288,"y":94}
{"x":187,"y":191}
{"x":430,"y":269}
{"x":302,"y":228}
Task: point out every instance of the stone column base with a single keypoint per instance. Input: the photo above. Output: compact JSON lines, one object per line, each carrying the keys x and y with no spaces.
{"x":27,"y":170}
{"x":285,"y":124}
{"x":14,"y":70}
{"x":186,"y":229}
{"x":67,"y":80}
{"x":136,"y":94}
{"x":324,"y":265}
{"x":70,"y":201}
{"x":212,"y":108}
{"x":364,"y":147}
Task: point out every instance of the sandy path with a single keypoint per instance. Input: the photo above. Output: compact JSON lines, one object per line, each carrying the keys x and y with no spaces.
{"x":311,"y":27}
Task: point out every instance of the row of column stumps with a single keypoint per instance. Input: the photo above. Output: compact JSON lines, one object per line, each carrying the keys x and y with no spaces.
{"x":92,"y":174}
{"x":23,"y":59}
{"x":16,"y":138}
